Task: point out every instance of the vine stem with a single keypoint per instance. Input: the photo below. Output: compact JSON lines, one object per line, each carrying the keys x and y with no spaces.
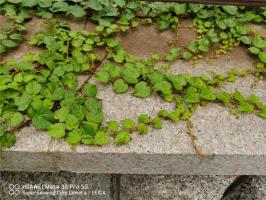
{"x":194,"y":139}
{"x":91,"y":73}
{"x":13,"y":129}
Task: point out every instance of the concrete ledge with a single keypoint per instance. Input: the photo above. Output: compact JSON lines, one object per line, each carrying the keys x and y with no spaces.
{"x":233,"y":147}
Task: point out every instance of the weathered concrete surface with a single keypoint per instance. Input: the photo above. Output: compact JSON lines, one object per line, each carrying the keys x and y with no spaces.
{"x":253,"y":188}
{"x":233,"y":146}
{"x":146,"y":40}
{"x":142,"y":187}
{"x":86,"y":186}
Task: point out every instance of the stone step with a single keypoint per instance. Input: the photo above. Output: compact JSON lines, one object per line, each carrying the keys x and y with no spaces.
{"x":232,"y":146}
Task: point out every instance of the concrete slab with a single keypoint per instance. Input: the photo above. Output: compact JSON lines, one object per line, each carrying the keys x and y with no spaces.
{"x":174,"y":187}
{"x":34,"y":186}
{"x":232,"y":146}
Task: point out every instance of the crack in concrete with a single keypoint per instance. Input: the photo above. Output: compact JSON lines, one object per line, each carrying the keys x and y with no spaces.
{"x":115,"y":186}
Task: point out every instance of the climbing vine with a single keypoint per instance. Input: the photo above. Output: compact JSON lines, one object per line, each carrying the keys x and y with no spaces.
{"x":42,"y":88}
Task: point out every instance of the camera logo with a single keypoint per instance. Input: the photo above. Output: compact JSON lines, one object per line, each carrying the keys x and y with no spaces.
{"x":14,"y":189}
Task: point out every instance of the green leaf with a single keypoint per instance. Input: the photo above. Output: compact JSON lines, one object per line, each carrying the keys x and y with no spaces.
{"x":164,"y":87}
{"x":130,"y":75}
{"x":174,"y":116}
{"x":95,"y":5}
{"x":195,"y":7}
{"x":245,"y":107}
{"x":33,"y":88}
{"x":60,"y":6}
{"x":207,"y":94}
{"x":204,"y":44}
{"x":113,"y":71}
{"x":113,"y":126}
{"x":119,"y":86}
{"x":157,"y":123}
{"x":254,"y":50}
{"x":122,"y":137}
{"x":262,"y":113}
{"x":8,"y":140}
{"x":178,"y":81}
{"x":9,"y":43}
{"x":128,"y":124}
{"x":224,"y":97}
{"x":119,"y":58}
{"x":187,"y":55}
{"x":93,"y":104}
{"x":87,"y":139}
{"x":15,"y":36}
{"x":163,"y":113}
{"x":101,"y":138}
{"x":87,"y":47}
{"x":120,"y":3}
{"x":42,"y":119}
{"x":2,"y":131}
{"x":76,"y":11}
{"x":16,"y":119}
{"x":45,"y":3}
{"x":23,"y":102}
{"x":95,"y":116}
{"x":74,"y":137}
{"x":29,"y":3}
{"x":72,"y":122}
{"x":259,"y":42}
{"x":192,"y":96}
{"x":253,"y":99}
{"x":142,"y":129}
{"x":144,"y":118}
{"x":90,"y":90}
{"x":79,"y":111}
{"x":142,"y":90}
{"x":163,"y":24}
{"x":245,"y":40}
{"x":57,"y":130}
{"x":239,"y":97}
{"x":112,"y":42}
{"x":193,"y":47}
{"x":14,"y":1}
{"x":180,"y":9}
{"x":196,"y":82}
{"x":173,"y":54}
{"x":232,"y":10}
{"x":61,"y":114}
{"x":262,"y":56}
{"x":103,"y":77}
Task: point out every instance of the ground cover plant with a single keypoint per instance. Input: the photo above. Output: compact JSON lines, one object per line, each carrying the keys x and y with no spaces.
{"x":42,"y":88}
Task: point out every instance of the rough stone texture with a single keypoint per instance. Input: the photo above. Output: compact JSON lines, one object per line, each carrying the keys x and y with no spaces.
{"x":233,"y":146}
{"x":93,"y":187}
{"x":253,"y":188}
{"x":175,"y":187}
